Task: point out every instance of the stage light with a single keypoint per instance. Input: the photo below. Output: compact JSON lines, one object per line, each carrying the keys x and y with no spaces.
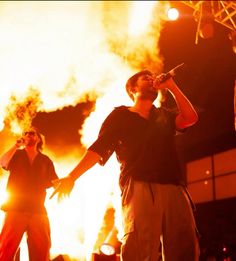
{"x":107,"y":252}
{"x":173,"y":14}
{"x":205,"y":20}
{"x":206,"y":30}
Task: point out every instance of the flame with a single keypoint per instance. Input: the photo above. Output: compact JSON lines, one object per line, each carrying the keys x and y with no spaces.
{"x":60,"y":53}
{"x":143,"y":10}
{"x":20,"y":111}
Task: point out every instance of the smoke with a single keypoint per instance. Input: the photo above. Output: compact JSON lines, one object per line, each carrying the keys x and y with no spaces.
{"x":56,"y":54}
{"x":73,"y":51}
{"x":20,"y":111}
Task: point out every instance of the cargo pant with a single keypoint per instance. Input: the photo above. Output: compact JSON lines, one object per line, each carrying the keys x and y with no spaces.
{"x":158,"y":224}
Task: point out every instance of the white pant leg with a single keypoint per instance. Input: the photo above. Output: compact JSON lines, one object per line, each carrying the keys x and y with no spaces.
{"x":180,"y":240}
{"x":142,"y":225}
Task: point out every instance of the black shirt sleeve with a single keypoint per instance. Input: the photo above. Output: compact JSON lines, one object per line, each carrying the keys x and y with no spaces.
{"x":108,"y":136}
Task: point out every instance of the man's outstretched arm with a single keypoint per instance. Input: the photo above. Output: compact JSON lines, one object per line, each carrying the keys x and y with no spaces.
{"x":64,"y":185}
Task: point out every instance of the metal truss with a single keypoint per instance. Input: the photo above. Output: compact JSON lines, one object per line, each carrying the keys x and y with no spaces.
{"x":223,"y":12}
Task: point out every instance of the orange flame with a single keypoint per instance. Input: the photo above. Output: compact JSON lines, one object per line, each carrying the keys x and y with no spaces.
{"x":21,"y":111}
{"x":71,"y":52}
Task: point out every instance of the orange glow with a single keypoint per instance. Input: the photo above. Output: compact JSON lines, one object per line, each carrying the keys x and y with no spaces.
{"x":76,"y":221}
{"x":61,"y":53}
{"x":143,"y":10}
{"x":3,"y":192}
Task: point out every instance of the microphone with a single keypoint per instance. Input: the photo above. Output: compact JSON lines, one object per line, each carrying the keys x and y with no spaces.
{"x":171,"y":73}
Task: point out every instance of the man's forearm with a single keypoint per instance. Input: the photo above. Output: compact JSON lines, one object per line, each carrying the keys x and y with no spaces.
{"x":187,"y":116}
{"x":89,"y":159}
{"x":6,"y":157}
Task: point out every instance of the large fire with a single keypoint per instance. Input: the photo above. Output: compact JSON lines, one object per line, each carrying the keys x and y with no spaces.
{"x":60,"y":53}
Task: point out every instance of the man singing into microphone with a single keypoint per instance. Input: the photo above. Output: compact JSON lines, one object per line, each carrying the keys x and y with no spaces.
{"x":156,"y":209}
{"x":31,"y":173}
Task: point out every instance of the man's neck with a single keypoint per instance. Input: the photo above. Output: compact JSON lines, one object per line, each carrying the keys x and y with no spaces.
{"x":31,"y":150}
{"x":142,"y":107}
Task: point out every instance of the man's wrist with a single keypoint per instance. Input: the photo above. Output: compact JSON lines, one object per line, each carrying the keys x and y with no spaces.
{"x":72,"y":178}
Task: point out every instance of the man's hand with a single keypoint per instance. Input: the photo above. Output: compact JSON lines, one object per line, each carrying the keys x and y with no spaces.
{"x":159,"y":84}
{"x":63,"y":187}
{"x":20,"y":142}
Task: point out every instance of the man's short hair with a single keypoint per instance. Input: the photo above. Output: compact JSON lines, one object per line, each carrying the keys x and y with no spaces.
{"x":131,"y":82}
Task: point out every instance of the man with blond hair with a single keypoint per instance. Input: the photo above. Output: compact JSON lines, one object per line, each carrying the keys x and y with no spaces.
{"x":31,"y":173}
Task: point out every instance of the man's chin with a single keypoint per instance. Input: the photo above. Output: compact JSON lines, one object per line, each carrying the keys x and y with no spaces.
{"x":149,"y":96}
{"x":30,"y":144}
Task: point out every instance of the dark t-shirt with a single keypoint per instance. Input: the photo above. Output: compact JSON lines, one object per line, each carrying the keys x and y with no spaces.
{"x":27,"y":182}
{"x":145,"y":148}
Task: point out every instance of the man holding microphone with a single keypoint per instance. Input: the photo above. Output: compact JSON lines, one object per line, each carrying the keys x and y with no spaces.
{"x":31,"y":173}
{"x":156,"y":207}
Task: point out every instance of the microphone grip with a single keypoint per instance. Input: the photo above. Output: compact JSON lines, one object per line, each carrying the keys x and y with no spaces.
{"x":171,"y":73}
{"x":166,"y":77}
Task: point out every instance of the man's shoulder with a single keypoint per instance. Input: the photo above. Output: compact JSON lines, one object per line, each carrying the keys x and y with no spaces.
{"x":43,"y":156}
{"x":116,"y":115}
{"x":119,"y":110}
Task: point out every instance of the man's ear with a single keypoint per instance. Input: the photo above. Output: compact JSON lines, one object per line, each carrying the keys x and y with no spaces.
{"x":132,"y":94}
{"x":133,"y":90}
